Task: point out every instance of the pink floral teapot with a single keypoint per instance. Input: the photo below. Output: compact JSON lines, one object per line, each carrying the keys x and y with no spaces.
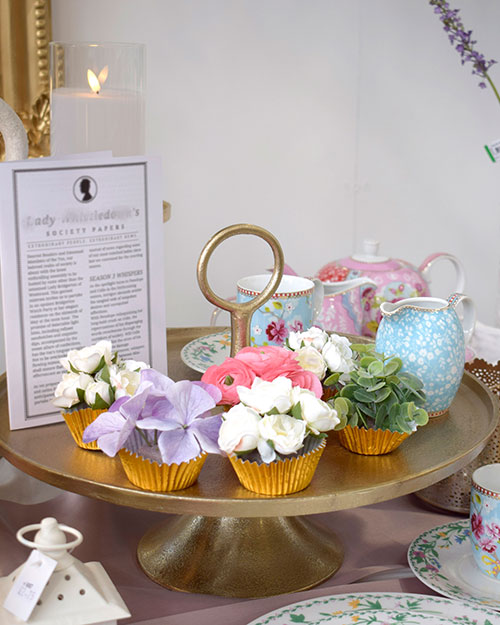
{"x":394,"y":279}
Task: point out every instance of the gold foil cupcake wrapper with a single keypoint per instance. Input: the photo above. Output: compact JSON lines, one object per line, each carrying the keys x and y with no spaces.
{"x":149,"y":475}
{"x":77,"y":421}
{"x":369,"y":442}
{"x":280,"y":477}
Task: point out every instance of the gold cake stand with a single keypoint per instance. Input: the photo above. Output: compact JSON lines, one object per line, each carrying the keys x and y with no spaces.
{"x":223,"y":539}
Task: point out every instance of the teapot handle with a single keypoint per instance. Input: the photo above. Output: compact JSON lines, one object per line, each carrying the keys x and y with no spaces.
{"x":469,"y":318}
{"x":431,"y":260}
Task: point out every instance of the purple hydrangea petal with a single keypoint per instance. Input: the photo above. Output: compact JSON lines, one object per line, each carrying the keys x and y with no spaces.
{"x":212,"y":390}
{"x":106,"y":423}
{"x":207,"y":433}
{"x":160,"y":382}
{"x":178,"y":446}
{"x":155,"y":423}
{"x":188,"y":401}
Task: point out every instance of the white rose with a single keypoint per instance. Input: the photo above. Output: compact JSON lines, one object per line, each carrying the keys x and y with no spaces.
{"x":311,"y":359}
{"x":239,"y":430}
{"x":134,"y":365}
{"x":338,"y":354}
{"x":316,"y":337}
{"x":319,"y":416}
{"x":66,"y":391}
{"x":87,"y":359}
{"x":94,"y":388}
{"x":263,"y":396}
{"x":124,"y":382}
{"x":285,"y":432}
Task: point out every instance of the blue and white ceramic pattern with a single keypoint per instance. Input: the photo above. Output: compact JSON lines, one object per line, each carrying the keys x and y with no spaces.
{"x":426,"y":333}
{"x":292,"y":308}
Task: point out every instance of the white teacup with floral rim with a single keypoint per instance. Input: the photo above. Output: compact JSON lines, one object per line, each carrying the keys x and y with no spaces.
{"x":485,"y":519}
{"x":293,"y":308}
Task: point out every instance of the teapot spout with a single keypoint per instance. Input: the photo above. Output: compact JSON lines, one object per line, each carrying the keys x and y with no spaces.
{"x":335,"y":288}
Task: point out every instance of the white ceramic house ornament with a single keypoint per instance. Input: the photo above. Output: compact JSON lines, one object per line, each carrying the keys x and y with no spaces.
{"x":13,"y":133}
{"x":76,"y":593}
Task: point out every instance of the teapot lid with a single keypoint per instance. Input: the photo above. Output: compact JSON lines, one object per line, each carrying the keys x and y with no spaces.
{"x":370,"y":253}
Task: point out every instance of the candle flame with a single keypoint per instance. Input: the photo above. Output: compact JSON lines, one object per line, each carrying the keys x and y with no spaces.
{"x":95,"y":82}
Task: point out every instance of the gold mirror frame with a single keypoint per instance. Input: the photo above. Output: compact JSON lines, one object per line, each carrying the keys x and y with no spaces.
{"x":25,"y":32}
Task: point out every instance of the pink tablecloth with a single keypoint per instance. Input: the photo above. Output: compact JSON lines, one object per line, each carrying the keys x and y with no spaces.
{"x":375,"y":538}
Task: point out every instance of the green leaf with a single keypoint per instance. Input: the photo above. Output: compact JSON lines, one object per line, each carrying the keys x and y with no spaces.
{"x":297,"y":411}
{"x":278,"y":305}
{"x":376,"y":368}
{"x":363,"y":348}
{"x":363,"y":396}
{"x":101,"y":364}
{"x":366,"y":361}
{"x":393,"y":366}
{"x":380,"y":417}
{"x":228,"y":380}
{"x":420,"y":416}
{"x":81,"y":394}
{"x":332,"y":379}
{"x":104,"y":374}
{"x":99,"y":403}
{"x":382,"y":394}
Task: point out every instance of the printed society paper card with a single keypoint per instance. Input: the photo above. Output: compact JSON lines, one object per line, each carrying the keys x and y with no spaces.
{"x":82,"y":261}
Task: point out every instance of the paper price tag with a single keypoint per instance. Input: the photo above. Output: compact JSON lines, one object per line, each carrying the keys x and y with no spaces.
{"x":493,"y":150}
{"x":29,"y":585}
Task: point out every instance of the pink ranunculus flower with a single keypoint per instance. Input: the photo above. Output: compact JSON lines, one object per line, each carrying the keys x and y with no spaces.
{"x":227,"y":377}
{"x":477,"y":526}
{"x":277,"y":331}
{"x":270,"y":361}
{"x":308,"y":380}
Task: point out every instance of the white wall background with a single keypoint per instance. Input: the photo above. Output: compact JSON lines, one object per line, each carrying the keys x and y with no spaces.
{"x":325,"y":121}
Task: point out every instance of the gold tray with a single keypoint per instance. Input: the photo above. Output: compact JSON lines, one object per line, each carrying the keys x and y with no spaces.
{"x":219,"y":503}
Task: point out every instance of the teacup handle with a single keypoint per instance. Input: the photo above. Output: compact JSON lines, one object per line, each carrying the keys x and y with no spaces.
{"x":469,"y":320}
{"x":241,"y":313}
{"x":318,"y":297}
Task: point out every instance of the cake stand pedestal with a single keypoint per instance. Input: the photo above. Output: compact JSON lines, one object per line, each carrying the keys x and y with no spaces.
{"x":229,"y":541}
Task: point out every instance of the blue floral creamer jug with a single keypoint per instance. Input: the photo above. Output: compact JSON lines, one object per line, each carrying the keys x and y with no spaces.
{"x":428,"y":336}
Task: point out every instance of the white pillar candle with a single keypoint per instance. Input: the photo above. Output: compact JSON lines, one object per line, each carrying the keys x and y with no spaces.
{"x":84,"y":121}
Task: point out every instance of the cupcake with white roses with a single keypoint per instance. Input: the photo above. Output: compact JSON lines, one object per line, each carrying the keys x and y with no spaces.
{"x":329,"y":356}
{"x":93,"y":379}
{"x":275,"y":435}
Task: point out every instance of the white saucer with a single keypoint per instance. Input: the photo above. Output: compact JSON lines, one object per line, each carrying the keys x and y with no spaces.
{"x":377,"y":608}
{"x":442,"y":559}
{"x":206,"y":351}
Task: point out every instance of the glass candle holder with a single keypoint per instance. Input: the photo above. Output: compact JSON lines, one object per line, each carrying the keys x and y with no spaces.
{"x":97,"y":97}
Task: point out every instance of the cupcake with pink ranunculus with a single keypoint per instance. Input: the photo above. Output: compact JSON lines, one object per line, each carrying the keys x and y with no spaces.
{"x":275,"y":435}
{"x":94,"y":378}
{"x":266,"y":363}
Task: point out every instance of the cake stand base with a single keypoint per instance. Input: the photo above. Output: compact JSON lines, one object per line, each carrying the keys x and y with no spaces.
{"x":239,"y":557}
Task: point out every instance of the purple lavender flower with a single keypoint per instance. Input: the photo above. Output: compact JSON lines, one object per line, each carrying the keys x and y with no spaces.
{"x":463,"y":43}
{"x":176,"y":412}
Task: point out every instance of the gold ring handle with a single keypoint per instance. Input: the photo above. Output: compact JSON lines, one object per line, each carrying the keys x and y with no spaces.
{"x":241,"y":313}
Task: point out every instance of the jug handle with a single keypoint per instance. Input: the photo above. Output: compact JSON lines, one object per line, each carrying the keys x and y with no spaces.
{"x":431,"y":260}
{"x":469,"y":319}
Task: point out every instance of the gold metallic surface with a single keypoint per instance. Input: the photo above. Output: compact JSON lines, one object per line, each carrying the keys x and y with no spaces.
{"x":241,"y":314}
{"x":246,"y":557}
{"x":25,"y":32}
{"x":342,"y":480}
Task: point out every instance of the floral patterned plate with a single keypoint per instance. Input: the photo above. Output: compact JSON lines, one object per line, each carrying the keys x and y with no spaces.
{"x":207,"y":351}
{"x":442,"y":559}
{"x":380,"y":608}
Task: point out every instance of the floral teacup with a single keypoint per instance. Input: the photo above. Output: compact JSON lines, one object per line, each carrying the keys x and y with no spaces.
{"x":485,"y":519}
{"x":293,"y":308}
